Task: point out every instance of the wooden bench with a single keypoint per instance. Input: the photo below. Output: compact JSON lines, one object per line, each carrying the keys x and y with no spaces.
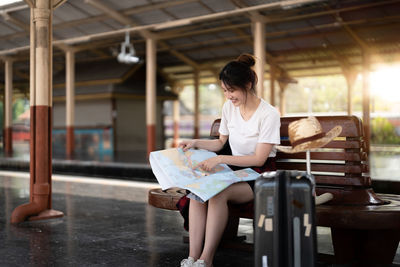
{"x":365,"y":226}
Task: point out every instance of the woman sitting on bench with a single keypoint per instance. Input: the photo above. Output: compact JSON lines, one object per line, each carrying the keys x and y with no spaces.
{"x":252,"y":126}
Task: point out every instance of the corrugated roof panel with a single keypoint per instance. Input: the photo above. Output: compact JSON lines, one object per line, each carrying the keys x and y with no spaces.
{"x":393,"y":9}
{"x":378,"y":34}
{"x":226,"y":34}
{"x":124,"y":4}
{"x":339,"y":38}
{"x":112,"y":23}
{"x":290,"y":25}
{"x":227,"y":52}
{"x":150,"y":17}
{"x":66,"y":33}
{"x":188,"y":10}
{"x":67,"y":12}
{"x":243,"y":49}
{"x":22,"y":15}
{"x":6,"y":44}
{"x":362,"y":13}
{"x":220,"y":6}
{"x":95,"y":27}
{"x":276,"y":46}
{"x":85,"y":8}
{"x":20,"y":41}
{"x":259,"y":2}
{"x":321,"y":20}
{"x":179,"y":41}
{"x":307,"y":42}
{"x":203,"y":37}
{"x":198,"y":55}
{"x":8,"y":28}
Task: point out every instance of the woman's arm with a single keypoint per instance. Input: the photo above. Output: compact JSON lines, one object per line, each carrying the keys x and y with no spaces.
{"x":257,"y":159}
{"x":211,"y":145}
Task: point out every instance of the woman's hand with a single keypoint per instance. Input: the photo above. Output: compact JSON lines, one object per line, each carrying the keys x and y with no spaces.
{"x":186,"y":144}
{"x":209,"y":164}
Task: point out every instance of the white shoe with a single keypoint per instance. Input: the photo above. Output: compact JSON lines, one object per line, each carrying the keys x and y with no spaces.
{"x":187,"y":262}
{"x":199,"y":263}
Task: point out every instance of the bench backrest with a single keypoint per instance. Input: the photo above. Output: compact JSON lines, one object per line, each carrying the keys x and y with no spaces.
{"x":340,"y":167}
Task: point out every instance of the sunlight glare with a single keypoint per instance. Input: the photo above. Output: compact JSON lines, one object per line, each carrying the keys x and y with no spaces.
{"x":385,"y":83}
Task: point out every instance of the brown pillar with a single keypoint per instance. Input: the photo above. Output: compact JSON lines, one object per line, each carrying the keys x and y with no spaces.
{"x":70,"y":102}
{"x":8,"y":108}
{"x":39,"y":206}
{"x":151,"y":94}
{"x":366,"y":99}
{"x":196,"y":104}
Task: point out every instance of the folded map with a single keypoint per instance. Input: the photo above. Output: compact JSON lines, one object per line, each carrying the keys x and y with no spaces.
{"x":176,"y":168}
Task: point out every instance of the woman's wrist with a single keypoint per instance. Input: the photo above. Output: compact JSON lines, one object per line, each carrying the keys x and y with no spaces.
{"x":220,"y":159}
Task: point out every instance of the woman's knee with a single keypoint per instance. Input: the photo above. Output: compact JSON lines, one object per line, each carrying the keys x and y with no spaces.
{"x":221,"y":197}
{"x":194,"y":204}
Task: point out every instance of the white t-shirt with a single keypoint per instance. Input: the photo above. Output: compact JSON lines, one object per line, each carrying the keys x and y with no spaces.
{"x":262,"y":127}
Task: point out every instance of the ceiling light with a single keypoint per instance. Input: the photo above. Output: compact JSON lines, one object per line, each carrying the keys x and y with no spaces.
{"x":130,"y":56}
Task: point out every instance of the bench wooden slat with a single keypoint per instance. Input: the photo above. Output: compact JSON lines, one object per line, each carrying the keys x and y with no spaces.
{"x":334,"y":144}
{"x":322,"y":167}
{"x":363,"y":181}
{"x":349,"y":156}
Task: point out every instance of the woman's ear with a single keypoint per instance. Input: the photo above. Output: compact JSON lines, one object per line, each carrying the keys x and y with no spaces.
{"x":248,"y":86}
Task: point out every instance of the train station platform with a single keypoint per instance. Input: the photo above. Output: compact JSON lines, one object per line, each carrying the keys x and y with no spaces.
{"x":107,"y":222}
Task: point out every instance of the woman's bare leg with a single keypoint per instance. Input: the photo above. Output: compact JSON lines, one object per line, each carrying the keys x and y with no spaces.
{"x":217,"y":216}
{"x":197,"y":226}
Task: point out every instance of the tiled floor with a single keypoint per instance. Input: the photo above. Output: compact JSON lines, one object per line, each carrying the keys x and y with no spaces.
{"x":106,"y":223}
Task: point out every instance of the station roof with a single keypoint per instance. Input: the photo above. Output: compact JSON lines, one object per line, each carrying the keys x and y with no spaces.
{"x":303,"y":37}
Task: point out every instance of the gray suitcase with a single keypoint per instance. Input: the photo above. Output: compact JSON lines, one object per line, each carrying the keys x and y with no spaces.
{"x":285,"y":232}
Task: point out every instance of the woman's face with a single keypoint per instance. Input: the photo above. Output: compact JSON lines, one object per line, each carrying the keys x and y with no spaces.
{"x":235,"y":95}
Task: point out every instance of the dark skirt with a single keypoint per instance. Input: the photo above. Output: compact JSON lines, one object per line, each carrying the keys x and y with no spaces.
{"x":183,"y":203}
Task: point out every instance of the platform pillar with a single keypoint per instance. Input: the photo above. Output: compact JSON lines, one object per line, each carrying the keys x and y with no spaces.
{"x":8,"y":149}
{"x":151,"y":94}
{"x":259,"y":53}
{"x":176,"y":116}
{"x":366,"y":99}
{"x":41,"y":83}
{"x":196,"y":104}
{"x":70,"y":102}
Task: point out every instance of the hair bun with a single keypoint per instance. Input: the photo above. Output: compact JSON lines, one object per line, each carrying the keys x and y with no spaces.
{"x":246,"y":59}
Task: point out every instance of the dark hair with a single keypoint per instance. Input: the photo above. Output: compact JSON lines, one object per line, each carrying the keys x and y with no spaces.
{"x":239,"y":73}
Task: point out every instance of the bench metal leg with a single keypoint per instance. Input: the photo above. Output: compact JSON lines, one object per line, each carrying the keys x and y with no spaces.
{"x":365,"y":247}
